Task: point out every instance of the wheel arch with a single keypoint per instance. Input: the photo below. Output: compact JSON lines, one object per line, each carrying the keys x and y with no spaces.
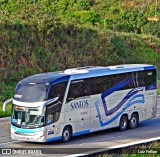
{"x":124,"y":114}
{"x":70,"y":126}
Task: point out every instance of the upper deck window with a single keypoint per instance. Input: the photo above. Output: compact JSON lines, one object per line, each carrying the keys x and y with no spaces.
{"x":26,"y":92}
{"x":58,"y":90}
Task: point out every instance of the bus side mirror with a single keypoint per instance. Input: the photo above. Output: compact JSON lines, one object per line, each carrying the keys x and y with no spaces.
{"x":51,"y":101}
{"x":5,"y":103}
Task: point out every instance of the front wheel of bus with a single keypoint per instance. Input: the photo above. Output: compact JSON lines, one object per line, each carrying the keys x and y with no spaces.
{"x":123,"y":123}
{"x":66,"y":135}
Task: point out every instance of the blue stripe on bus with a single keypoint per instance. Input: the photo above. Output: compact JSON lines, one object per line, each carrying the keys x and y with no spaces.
{"x":113,"y":110}
{"x":81,"y":132}
{"x":115,"y":88}
{"x":54,"y":138}
{"x":128,"y":96}
{"x":149,"y":67}
{"x":151,"y":87}
{"x":23,"y":130}
{"x":131,"y":102}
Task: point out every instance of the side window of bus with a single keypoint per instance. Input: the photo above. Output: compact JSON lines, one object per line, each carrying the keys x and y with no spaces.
{"x":140,"y":78}
{"x":151,"y":77}
{"x":53,"y":113}
{"x":101,"y":84}
{"x":147,"y":77}
{"x":132,"y":80}
{"x":122,"y":79}
{"x":87,"y":87}
{"x":79,"y":88}
{"x":58,"y":90}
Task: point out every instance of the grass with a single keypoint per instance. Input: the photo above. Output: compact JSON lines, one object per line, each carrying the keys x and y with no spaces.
{"x":133,"y":151}
{"x":8,"y":111}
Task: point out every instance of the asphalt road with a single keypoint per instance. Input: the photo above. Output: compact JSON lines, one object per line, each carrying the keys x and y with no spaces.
{"x":86,"y":143}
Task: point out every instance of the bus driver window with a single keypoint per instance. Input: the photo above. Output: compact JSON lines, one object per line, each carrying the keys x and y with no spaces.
{"x":58,"y":90}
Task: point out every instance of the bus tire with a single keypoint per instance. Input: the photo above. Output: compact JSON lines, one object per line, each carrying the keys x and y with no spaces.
{"x":133,"y":122}
{"x":123,"y":123}
{"x":66,"y":134}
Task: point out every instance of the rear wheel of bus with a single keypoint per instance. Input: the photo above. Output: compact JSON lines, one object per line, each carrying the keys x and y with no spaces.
{"x":133,"y":123}
{"x":123,"y":123}
{"x":66,"y":134}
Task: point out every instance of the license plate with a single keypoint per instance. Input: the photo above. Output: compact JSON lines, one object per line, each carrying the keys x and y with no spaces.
{"x":25,"y":138}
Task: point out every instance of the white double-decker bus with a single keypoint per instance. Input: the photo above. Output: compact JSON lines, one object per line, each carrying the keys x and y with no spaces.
{"x":59,"y":105}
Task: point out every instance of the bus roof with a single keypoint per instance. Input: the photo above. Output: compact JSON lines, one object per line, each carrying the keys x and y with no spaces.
{"x":43,"y":78}
{"x":85,"y":72}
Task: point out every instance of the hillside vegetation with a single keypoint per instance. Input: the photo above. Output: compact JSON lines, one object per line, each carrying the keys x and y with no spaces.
{"x":42,"y":35}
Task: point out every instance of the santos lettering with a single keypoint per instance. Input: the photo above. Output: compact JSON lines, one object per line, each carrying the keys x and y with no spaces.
{"x":79,"y":104}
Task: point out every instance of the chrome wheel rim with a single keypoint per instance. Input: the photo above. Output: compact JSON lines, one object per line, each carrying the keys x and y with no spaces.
{"x":123,"y":124}
{"x":66,"y":135}
{"x":133,"y":121}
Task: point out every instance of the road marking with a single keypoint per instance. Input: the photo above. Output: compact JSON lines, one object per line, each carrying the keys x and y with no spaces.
{"x":9,"y":142}
{"x":107,"y":139}
{"x":135,"y":143}
{"x":104,"y":139}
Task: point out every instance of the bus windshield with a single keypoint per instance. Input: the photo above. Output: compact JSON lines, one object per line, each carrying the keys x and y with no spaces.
{"x":31,"y":92}
{"x":27,"y":117}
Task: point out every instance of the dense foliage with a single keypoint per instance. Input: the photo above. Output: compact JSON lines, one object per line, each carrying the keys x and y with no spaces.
{"x":136,"y":16}
{"x":44,"y":35}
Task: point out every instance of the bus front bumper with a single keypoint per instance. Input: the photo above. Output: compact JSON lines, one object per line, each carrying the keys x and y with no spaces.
{"x":36,"y":137}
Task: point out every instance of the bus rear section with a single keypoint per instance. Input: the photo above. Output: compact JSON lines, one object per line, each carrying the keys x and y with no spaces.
{"x":118,"y":100}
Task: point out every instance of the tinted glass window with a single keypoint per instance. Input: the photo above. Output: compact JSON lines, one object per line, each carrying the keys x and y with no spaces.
{"x":146,"y":78}
{"x":101,"y":84}
{"x":126,"y":80}
{"x":58,"y":90}
{"x":53,"y":112}
{"x":98,"y":85}
{"x":120,"y":81}
{"x":25,"y":117}
{"x":79,"y":88}
{"x":31,"y":92}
